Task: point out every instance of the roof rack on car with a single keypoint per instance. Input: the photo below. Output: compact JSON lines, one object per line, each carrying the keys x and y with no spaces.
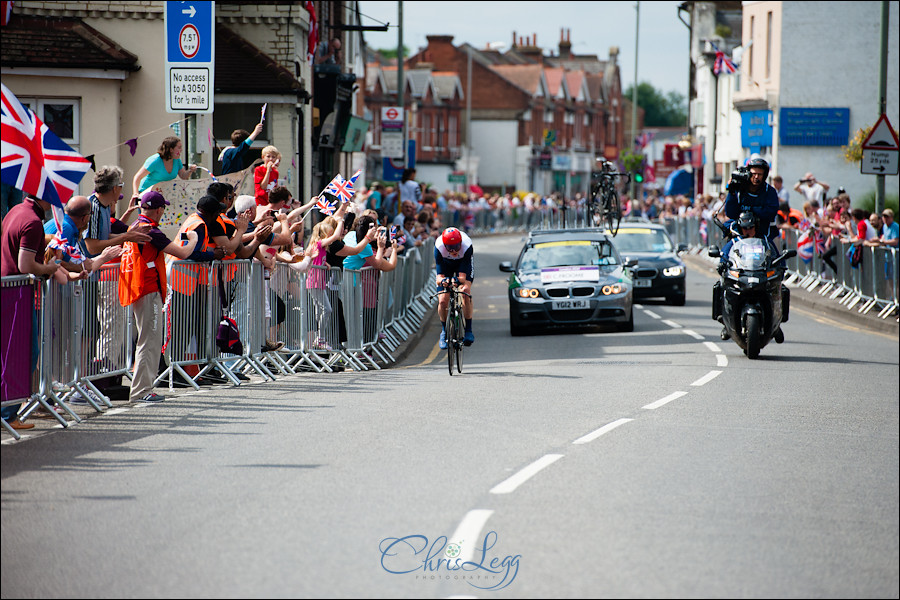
{"x":569,"y":230}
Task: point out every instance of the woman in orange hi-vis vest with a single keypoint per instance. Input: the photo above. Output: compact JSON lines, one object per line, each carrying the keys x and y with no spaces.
{"x":142,"y":285}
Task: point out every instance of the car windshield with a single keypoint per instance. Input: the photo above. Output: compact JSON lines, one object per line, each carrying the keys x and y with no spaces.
{"x":561,"y":254}
{"x":643,"y":240}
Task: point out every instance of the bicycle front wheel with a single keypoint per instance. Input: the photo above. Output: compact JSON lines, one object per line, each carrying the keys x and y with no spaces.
{"x":613,"y":211}
{"x":451,"y":342}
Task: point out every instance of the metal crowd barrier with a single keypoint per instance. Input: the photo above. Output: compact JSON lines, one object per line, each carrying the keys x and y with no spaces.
{"x":870,"y":286}
{"x":326,"y":317}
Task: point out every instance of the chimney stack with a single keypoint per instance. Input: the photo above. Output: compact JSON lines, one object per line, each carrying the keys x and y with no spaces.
{"x":565,"y":46}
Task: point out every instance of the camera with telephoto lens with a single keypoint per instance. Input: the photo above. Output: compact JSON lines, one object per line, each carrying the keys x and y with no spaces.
{"x":740,"y":180}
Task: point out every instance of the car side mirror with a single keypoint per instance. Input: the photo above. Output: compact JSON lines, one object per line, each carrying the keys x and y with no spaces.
{"x":681,"y":248}
{"x":506,"y":266}
{"x":713,"y":252}
{"x":631,"y":262}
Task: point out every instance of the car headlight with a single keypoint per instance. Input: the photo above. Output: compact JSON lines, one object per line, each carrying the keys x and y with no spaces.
{"x":615,"y":288}
{"x":527,"y":293}
{"x":673,"y":271}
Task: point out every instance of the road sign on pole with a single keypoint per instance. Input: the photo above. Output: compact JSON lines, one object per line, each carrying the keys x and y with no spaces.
{"x":190,"y":52}
{"x":880,"y":150}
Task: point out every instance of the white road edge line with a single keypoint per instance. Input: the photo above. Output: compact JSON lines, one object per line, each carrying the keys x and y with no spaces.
{"x":707,"y":378}
{"x":721,"y":360}
{"x":666,"y":400}
{"x":468,"y":532}
{"x":693,"y":334}
{"x":598,"y":432}
{"x":672,"y":324}
{"x":116,"y":411}
{"x":712,"y":346}
{"x":652,"y":314}
{"x":510,"y":485}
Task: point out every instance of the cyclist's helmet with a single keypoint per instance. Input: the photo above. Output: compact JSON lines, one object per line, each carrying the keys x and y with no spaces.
{"x":452,"y":239}
{"x":746,"y":220}
{"x":760,"y":162}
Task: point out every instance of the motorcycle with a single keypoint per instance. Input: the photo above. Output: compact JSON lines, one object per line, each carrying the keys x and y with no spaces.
{"x":751,"y":301}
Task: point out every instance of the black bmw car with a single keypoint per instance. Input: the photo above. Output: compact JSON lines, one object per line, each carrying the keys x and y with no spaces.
{"x":660,"y":271}
{"x":565,"y":278}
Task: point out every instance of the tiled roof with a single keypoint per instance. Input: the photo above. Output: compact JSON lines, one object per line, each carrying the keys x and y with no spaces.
{"x":61,"y":42}
{"x":242,"y":68}
{"x":554,"y":81}
{"x":447,"y":83}
{"x":575,"y":81}
{"x":526,"y":77}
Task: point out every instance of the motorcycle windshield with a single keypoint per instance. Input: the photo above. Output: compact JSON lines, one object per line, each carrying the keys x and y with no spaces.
{"x":749,"y":254}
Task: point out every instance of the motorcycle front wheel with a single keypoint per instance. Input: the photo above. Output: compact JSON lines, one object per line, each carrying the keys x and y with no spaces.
{"x":752,"y":326}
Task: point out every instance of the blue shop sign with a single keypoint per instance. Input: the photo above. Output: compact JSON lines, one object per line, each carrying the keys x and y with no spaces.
{"x":814,"y":126}
{"x":756,"y":129}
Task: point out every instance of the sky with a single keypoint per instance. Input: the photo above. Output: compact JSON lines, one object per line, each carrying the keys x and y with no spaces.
{"x":595,"y":27}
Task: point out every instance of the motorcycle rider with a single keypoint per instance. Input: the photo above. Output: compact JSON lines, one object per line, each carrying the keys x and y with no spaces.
{"x":757,"y":197}
{"x":743,"y":227}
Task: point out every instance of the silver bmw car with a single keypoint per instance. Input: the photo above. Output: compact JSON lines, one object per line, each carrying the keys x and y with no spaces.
{"x":566,"y":278}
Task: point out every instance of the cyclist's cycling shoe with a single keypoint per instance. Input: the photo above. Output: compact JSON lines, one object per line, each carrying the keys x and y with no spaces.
{"x":442,"y":343}
{"x":469,"y":339}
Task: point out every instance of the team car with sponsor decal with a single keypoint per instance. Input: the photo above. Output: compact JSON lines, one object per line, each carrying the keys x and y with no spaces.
{"x":566,"y":278}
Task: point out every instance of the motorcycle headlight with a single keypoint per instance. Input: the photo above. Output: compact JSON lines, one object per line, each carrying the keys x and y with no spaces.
{"x":673,"y":271}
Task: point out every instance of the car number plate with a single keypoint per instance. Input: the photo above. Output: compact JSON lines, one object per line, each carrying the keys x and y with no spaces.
{"x":642,"y":282}
{"x":570,"y":304}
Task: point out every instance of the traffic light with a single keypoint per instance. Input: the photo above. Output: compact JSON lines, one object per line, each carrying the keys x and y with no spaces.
{"x":639,"y":175}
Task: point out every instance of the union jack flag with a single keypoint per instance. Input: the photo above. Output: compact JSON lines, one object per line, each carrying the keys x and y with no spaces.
{"x":325,"y":207}
{"x":341,"y":188}
{"x":34,"y":159}
{"x":722,"y":63}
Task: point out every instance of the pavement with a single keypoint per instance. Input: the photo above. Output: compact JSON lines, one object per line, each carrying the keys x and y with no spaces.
{"x":44,"y":423}
{"x":813,"y":302}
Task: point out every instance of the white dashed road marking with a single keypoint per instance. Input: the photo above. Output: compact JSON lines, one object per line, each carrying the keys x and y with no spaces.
{"x":666,"y":400}
{"x":525,"y":474}
{"x":598,"y":432}
{"x":707,"y":378}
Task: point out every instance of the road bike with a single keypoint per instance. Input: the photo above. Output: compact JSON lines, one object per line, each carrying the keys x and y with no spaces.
{"x":604,"y":206}
{"x":455,"y":327}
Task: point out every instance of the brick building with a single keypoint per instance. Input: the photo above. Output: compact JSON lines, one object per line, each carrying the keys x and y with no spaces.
{"x":537,"y":122}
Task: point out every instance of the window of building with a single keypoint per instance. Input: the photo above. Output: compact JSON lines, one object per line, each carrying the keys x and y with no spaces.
{"x":452,"y":128}
{"x":768,"y":44}
{"x":61,"y":116}
{"x":229,"y":117}
{"x":750,"y":58}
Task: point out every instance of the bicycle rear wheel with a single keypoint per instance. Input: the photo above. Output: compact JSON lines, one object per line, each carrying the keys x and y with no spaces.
{"x":451,"y":341}
{"x":613,"y":210}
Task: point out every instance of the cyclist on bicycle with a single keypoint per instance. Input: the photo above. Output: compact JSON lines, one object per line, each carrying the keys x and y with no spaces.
{"x":454,"y":257}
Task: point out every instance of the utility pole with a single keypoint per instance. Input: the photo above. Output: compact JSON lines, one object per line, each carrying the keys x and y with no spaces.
{"x":634,"y":91}
{"x":401,"y":97}
{"x":882,"y":95}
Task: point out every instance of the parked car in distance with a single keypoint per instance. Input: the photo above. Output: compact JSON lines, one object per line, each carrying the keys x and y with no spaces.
{"x":566,"y":278}
{"x":660,"y":272}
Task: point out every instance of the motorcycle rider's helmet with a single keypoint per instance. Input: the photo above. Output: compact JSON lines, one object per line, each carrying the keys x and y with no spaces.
{"x":746,"y":220}
{"x":452,"y":239}
{"x":760,"y":162}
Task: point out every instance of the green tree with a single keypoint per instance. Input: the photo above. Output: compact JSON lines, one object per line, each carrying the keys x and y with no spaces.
{"x":660,"y":109}
{"x":391,"y":53}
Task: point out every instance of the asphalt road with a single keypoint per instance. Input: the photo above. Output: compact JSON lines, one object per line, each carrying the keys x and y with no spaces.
{"x":660,"y":463}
